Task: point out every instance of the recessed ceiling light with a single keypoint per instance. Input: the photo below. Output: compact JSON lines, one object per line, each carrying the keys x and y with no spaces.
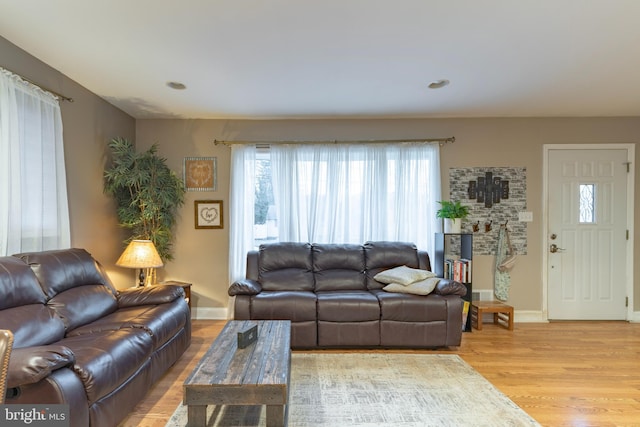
{"x":176,"y":85}
{"x":437,"y":84}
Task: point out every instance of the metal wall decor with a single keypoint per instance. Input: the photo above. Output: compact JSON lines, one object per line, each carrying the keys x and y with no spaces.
{"x":502,"y":193}
{"x":488,"y":189}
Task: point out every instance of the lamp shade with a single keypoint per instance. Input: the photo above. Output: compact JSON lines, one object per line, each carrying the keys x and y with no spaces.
{"x":140,"y":254}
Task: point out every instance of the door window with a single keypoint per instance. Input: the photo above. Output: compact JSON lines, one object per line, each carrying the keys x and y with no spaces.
{"x":587,"y":203}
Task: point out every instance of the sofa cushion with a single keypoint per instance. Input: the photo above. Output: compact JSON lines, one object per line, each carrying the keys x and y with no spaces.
{"x":160,"y":321}
{"x":349,"y":334}
{"x":338,"y":267}
{"x":60,"y":270}
{"x":22,"y":308}
{"x":119,"y":319}
{"x":84,"y":304}
{"x":284,"y":305}
{"x":403,"y":275}
{"x":421,"y":287}
{"x":411,"y":308}
{"x":105,"y":360}
{"x":18,"y":284}
{"x":348,"y":306}
{"x":381,"y":256}
{"x":285,"y":267}
{"x":32,"y":324}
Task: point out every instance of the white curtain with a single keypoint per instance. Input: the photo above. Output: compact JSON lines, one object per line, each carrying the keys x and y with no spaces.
{"x":338,"y":194}
{"x":34,"y":212}
{"x":242,"y":205}
{"x":351,"y":193}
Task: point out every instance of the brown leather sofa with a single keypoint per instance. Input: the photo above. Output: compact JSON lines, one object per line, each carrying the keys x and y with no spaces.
{"x":79,"y":341}
{"x":329,"y":294}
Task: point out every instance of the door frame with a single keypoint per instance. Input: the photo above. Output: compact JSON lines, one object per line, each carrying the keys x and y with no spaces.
{"x":547,"y":148}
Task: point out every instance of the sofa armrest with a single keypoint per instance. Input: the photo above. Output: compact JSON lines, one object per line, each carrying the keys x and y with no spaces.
{"x":245,"y":287}
{"x":29,"y":365}
{"x":450,"y":287}
{"x":149,"y":295}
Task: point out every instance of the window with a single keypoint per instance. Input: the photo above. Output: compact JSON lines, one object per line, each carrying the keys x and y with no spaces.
{"x":265,"y":226}
{"x":34,"y":212}
{"x":587,"y":204}
{"x":338,"y":193}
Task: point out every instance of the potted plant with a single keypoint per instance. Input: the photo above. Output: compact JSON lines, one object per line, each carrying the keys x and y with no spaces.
{"x":147,"y":193}
{"x":453,"y":213}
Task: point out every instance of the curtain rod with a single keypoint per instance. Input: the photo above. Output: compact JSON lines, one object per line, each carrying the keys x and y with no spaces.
{"x":54,"y":93}
{"x":441,"y":141}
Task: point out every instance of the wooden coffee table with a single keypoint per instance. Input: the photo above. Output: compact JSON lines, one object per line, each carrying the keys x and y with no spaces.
{"x":255,"y":375}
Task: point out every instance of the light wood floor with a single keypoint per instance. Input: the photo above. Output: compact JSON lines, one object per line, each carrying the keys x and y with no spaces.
{"x":561,"y":373}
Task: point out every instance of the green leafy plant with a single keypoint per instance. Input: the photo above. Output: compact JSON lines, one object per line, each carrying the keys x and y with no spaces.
{"x":147,"y":194}
{"x":452,"y":210}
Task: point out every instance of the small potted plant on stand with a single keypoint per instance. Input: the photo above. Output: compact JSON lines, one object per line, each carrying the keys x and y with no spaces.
{"x":453,"y":213}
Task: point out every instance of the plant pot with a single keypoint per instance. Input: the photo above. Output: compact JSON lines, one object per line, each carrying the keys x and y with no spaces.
{"x":452,"y":225}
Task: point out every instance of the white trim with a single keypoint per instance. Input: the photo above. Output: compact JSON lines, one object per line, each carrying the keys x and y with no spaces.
{"x":635,"y":317}
{"x":529,"y":316}
{"x":631,"y":315}
{"x":209,"y":313}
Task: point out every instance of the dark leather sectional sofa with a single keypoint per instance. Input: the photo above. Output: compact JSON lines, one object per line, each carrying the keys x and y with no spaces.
{"x":329,"y":293}
{"x":79,"y":341}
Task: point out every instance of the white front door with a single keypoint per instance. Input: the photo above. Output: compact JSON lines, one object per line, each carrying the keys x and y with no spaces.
{"x":587,"y":234}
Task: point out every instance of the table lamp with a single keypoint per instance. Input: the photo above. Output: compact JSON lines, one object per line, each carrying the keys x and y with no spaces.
{"x":140,"y":254}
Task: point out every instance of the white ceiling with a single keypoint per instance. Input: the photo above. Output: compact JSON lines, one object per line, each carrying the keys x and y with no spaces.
{"x":341,"y":58}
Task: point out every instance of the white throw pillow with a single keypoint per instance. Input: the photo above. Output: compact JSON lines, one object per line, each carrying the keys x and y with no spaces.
{"x":423,"y":287}
{"x":403,"y":275}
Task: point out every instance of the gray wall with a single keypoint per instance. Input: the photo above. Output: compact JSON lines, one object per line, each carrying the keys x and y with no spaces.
{"x":202,"y":255}
{"x":89,"y":123}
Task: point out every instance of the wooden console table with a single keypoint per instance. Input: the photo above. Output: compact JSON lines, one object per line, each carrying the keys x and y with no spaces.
{"x":254,"y":375}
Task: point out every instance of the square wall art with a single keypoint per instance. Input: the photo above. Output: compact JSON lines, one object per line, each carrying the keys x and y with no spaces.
{"x":199,"y":173}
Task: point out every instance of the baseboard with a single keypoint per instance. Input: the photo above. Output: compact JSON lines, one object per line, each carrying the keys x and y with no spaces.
{"x":209,"y":313}
{"x":529,"y":316}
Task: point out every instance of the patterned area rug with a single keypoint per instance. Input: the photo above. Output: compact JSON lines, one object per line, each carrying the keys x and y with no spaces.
{"x":377,"y":389}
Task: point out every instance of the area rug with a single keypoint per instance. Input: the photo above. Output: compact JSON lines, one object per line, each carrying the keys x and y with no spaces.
{"x":377,"y":389}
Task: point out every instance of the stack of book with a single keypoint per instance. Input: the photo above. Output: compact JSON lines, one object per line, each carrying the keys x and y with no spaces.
{"x":458,"y":270}
{"x":465,"y":314}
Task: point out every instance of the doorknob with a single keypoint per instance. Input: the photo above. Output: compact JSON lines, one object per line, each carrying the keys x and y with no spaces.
{"x":554,"y":248}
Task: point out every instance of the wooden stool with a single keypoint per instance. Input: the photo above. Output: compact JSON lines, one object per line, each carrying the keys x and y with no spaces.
{"x":502,"y":313}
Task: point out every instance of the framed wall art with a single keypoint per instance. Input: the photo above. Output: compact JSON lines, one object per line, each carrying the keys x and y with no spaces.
{"x":208,"y":214}
{"x":199,"y":173}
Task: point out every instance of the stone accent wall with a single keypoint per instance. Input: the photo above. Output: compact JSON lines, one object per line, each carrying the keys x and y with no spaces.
{"x":506,"y":211}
